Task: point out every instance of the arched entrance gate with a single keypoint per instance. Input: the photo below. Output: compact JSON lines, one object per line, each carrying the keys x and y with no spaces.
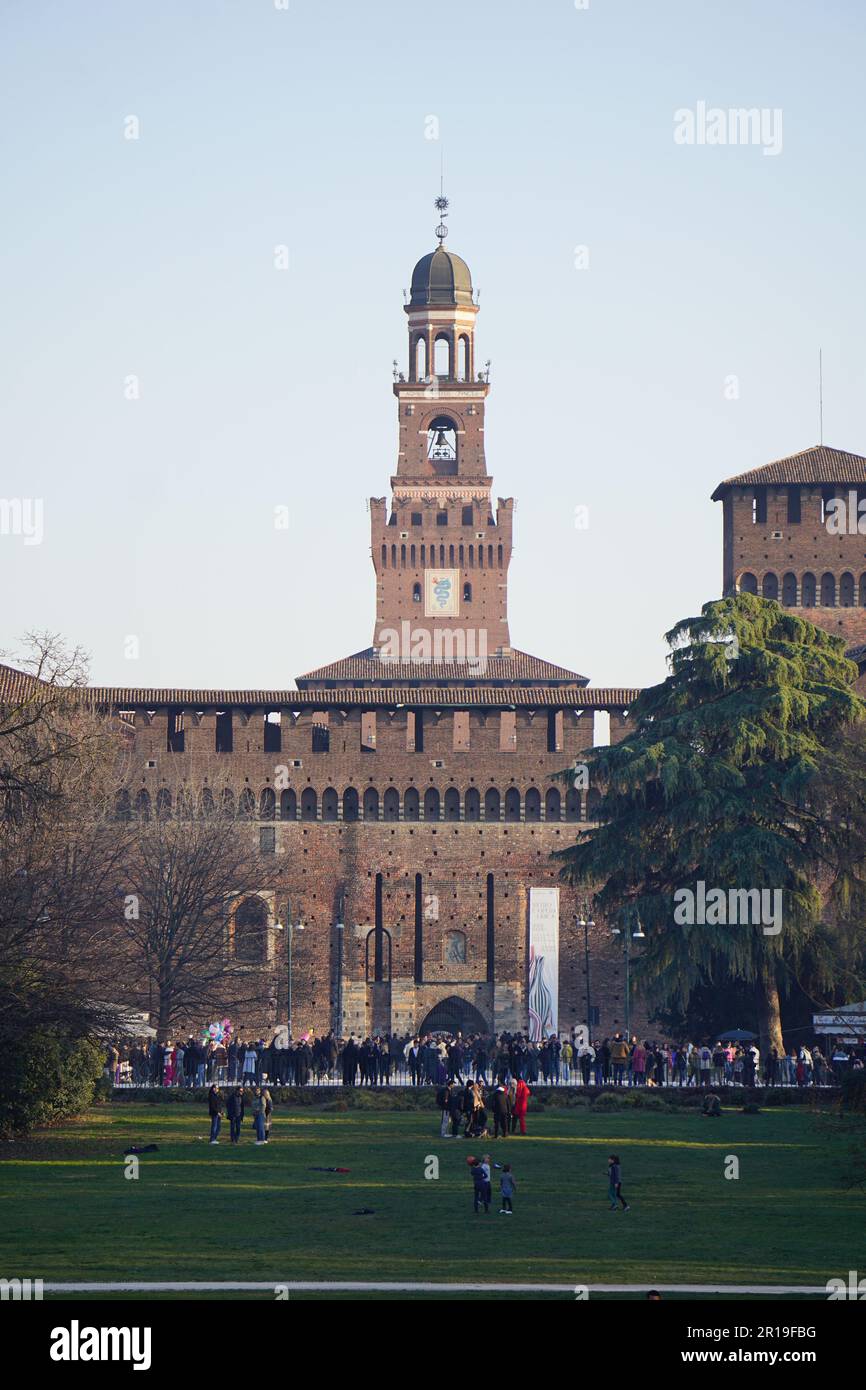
{"x":454,"y":1015}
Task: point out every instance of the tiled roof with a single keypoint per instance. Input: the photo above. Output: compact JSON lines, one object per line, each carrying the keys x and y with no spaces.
{"x":16,"y":686}
{"x":367,"y":666}
{"x":454,"y":696}
{"x":819,"y":464}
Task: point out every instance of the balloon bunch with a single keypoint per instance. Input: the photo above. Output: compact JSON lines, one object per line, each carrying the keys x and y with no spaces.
{"x":217,"y":1032}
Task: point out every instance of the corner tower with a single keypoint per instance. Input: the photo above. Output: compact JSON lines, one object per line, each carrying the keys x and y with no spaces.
{"x":441,"y":552}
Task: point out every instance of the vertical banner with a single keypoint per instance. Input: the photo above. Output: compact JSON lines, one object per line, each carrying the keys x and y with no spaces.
{"x":543,"y":962}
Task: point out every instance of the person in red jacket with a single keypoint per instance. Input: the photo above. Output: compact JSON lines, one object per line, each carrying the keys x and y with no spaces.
{"x":520,"y":1101}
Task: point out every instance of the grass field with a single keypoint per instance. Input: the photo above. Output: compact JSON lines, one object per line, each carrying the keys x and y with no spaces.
{"x":246,"y":1213}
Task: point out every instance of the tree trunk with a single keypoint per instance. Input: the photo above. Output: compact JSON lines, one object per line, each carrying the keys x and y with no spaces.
{"x":769,"y":1018}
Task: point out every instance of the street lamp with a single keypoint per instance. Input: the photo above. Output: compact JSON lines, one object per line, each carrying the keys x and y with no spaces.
{"x":585,"y":920}
{"x":291,"y":928}
{"x":628,"y":936}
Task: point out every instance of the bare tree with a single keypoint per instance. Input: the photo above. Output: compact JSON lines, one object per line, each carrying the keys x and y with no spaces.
{"x":182,"y":879}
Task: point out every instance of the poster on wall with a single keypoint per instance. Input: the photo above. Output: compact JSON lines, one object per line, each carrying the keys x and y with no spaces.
{"x":441,"y":593}
{"x":543,"y":962}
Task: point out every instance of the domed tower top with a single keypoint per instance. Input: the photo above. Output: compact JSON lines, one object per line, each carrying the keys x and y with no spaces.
{"x":440,"y":278}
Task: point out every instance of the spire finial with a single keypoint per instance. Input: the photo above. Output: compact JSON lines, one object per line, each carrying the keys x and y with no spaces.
{"x":441,"y":203}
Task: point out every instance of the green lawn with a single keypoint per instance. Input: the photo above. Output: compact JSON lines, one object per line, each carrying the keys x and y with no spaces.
{"x":67,"y":1211}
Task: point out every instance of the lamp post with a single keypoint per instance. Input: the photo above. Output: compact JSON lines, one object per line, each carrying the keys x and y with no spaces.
{"x":291,"y":928}
{"x":585,"y":920}
{"x":340,"y":926}
{"x":628,"y":936}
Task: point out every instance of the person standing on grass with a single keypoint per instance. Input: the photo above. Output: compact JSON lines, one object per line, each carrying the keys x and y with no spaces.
{"x":614,"y":1183}
{"x":443,"y":1100}
{"x":500,"y":1112}
{"x":507,"y":1187}
{"x":269,"y":1111}
{"x":235,"y":1110}
{"x":216,"y":1109}
{"x":476,"y":1168}
{"x":521,"y":1101}
{"x":259,"y":1115}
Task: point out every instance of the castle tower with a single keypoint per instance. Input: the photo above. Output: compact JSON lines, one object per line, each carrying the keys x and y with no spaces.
{"x":441,"y":553}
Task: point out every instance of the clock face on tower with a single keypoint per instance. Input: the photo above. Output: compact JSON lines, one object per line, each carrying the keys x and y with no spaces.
{"x":441,"y":593}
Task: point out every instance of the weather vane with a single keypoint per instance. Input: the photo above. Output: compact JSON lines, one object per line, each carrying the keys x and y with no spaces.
{"x":441,"y":205}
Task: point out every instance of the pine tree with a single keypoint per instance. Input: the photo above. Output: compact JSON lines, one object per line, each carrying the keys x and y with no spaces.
{"x":737,"y":774}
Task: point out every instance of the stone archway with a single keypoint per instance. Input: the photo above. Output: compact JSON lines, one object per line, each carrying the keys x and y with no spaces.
{"x":453,"y":1015}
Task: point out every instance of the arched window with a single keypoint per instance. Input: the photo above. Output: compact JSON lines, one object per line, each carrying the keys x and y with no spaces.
{"x":573,"y":806}
{"x":420,"y":358}
{"x":462,"y":358}
{"x":512,"y":804}
{"x":442,"y":355}
{"x":789,"y":590}
{"x":142,"y":804}
{"x":808,"y":590}
{"x":309,"y":804}
{"x":350,"y":804}
{"x":431,"y":804}
{"x":412,"y":554}
{"x":391,"y":804}
{"x":371,"y":804}
{"x":467,"y":593}
{"x":227,"y":803}
{"x":183,"y":805}
{"x":442,"y":444}
{"x":455,"y":948}
{"x":552,"y":804}
{"x":472,"y":804}
{"x":828,"y":590}
{"x":863,"y":591}
{"x":251,"y":932}
{"x":377,"y":971}
{"x":416,"y":593}
{"x":163,"y":803}
{"x":247,"y":806}
{"x":452,"y":804}
{"x":122,"y":807}
{"x":846,"y":590}
{"x":770,"y":586}
{"x":492,"y":804}
{"x":748,"y":583}
{"x":288,"y":804}
{"x":330,"y":803}
{"x":411,"y":802}
{"x":532,"y":804}
{"x":267,"y":804}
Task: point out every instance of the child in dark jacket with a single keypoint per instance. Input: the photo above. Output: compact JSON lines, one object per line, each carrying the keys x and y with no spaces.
{"x":480,"y":1184}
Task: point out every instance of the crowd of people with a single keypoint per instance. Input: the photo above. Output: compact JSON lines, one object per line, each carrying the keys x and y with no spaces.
{"x":437,"y":1059}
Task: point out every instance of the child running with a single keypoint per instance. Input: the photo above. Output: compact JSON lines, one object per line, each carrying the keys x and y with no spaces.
{"x":614,"y":1183}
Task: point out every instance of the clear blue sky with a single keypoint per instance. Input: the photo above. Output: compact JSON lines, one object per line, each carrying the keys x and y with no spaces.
{"x":306,"y":127}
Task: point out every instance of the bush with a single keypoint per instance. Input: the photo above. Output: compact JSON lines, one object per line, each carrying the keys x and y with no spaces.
{"x":607,"y":1100}
{"x":44,"y":1077}
{"x":853,"y":1085}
